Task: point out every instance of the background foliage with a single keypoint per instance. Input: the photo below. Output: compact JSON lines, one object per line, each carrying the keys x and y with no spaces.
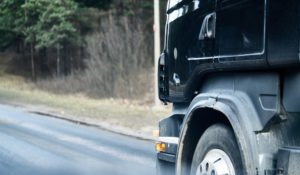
{"x":99,"y":48}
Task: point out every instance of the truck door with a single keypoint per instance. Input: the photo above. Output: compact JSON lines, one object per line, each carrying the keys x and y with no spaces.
{"x":190,"y":34}
{"x":241,"y":28}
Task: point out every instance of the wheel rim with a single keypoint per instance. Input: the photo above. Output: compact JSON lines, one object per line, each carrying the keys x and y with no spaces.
{"x":216,"y":162}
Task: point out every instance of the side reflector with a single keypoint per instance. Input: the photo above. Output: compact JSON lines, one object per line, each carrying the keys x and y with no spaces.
{"x":160,"y":147}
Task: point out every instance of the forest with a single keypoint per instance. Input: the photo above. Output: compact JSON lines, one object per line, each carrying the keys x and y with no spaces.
{"x":101,"y":48}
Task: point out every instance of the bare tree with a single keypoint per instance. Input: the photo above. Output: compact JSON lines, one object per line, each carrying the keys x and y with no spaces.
{"x":119,"y":54}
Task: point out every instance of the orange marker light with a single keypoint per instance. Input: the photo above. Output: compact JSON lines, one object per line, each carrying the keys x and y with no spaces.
{"x":160,"y":147}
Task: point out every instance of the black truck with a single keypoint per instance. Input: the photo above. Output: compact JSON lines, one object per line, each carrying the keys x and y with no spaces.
{"x":231,"y":69}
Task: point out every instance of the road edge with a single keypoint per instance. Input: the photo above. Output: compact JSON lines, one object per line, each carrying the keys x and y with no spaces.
{"x":88,"y":122}
{"x":117,"y":130}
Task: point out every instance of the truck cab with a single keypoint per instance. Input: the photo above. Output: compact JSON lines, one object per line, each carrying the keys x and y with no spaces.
{"x":231,"y":70}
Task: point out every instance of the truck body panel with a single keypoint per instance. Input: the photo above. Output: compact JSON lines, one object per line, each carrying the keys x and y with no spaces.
{"x":247,"y":35}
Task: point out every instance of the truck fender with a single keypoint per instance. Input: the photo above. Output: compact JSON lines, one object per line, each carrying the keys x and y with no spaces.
{"x":241,"y":115}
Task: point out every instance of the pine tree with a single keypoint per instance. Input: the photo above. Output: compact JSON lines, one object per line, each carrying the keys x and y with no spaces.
{"x":11,"y":21}
{"x":51,"y":25}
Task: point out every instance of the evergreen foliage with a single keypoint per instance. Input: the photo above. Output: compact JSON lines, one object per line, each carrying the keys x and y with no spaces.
{"x":46,"y":23}
{"x":11,"y":21}
{"x":52,"y":24}
{"x":100,"y":4}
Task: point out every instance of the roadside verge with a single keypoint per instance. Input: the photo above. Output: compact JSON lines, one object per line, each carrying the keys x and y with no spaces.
{"x":120,"y":116}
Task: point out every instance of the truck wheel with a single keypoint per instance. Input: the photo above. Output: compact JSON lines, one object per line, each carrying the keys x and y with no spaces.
{"x":217,"y":152}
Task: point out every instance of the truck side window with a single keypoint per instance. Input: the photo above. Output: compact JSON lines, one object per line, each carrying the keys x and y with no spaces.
{"x":241,"y":28}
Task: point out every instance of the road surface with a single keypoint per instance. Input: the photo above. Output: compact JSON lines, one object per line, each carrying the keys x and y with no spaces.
{"x":37,"y":145}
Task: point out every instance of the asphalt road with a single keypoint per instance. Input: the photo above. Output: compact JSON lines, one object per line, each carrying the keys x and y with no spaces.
{"x":31,"y":144}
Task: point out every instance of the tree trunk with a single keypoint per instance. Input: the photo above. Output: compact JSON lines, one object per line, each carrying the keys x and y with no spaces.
{"x":71,"y":64}
{"x":32,"y":61}
{"x":58,"y":61}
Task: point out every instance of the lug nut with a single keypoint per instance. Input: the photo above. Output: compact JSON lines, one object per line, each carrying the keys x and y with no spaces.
{"x":207,"y":166}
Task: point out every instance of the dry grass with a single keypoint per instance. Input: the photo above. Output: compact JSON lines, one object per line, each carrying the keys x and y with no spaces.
{"x":117,"y":113}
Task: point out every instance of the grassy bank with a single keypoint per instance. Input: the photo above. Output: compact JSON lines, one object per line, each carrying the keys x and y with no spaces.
{"x":115,"y":113}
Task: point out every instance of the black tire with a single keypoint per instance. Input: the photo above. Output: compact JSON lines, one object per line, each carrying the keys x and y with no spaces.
{"x":218,"y":136}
